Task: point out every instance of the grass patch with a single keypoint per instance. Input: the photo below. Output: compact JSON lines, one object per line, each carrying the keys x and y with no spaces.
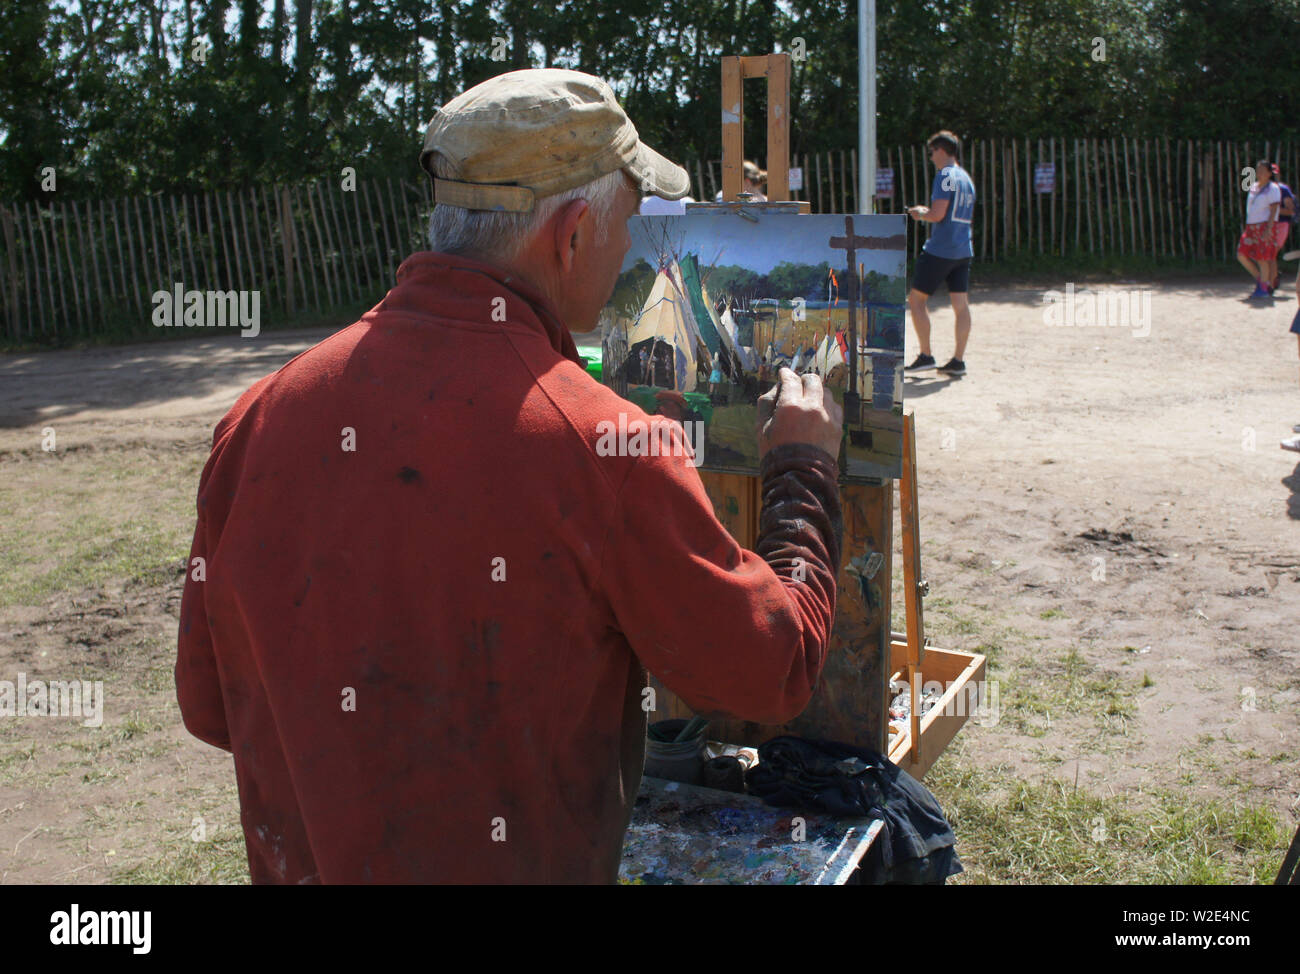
{"x":14,"y":756}
{"x":159,"y":678}
{"x":1039,"y":691}
{"x":180,"y":861}
{"x":81,"y":537}
{"x":136,"y":726}
{"x":1011,"y":831}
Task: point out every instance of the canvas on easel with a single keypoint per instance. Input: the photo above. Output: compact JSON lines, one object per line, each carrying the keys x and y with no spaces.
{"x":711,"y":305}
{"x":850,"y":703}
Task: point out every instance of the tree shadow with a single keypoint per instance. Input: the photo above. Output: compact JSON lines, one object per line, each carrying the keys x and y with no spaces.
{"x":1030,"y":293}
{"x":40,"y":387}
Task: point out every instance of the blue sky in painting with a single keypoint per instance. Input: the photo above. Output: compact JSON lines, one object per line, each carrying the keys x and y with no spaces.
{"x":725,"y":238}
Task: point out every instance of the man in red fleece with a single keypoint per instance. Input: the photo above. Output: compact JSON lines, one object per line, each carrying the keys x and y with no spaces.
{"x":428,"y":600}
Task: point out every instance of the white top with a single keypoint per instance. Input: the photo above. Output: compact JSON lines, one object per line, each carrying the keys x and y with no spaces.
{"x":1258,"y":202}
{"x":658,"y":206}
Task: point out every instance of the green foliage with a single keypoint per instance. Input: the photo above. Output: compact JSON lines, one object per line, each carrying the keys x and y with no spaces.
{"x":883,"y":289}
{"x":732,"y":279}
{"x":111,"y":94}
{"x":788,"y":280}
{"x":632,"y":289}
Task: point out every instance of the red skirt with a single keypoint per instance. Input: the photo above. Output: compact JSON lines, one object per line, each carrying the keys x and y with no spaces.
{"x":1257,"y":242}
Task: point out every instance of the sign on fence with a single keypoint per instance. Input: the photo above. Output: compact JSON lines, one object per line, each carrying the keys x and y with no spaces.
{"x":796,"y":177}
{"x":884,"y":184}
{"x":1045,"y":177}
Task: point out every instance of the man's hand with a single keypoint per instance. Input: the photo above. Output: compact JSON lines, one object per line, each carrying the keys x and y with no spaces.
{"x":918,"y":212}
{"x":798,"y":409}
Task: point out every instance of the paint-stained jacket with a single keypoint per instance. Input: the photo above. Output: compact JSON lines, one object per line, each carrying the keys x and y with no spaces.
{"x":427,"y":600}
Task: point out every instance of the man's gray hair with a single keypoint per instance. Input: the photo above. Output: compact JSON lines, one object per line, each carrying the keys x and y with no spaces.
{"x":501,"y":235}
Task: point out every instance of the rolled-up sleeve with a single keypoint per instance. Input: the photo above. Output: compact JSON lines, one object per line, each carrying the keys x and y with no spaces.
{"x":732,"y":632}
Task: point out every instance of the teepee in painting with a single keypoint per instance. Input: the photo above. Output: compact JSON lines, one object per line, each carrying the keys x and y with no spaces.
{"x":667,"y":332}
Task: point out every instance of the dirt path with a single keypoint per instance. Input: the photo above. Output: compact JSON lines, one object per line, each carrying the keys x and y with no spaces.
{"x":1108,"y":516}
{"x":1126,"y":496}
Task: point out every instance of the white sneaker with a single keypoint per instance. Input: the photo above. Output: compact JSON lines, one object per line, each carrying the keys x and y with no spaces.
{"x":1292,"y":444}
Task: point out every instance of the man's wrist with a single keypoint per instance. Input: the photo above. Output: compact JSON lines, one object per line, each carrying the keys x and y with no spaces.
{"x":799,"y":450}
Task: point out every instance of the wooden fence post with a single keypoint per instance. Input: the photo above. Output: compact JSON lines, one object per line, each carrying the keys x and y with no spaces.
{"x":10,"y":301}
{"x":324,"y":271}
{"x":288,"y":241}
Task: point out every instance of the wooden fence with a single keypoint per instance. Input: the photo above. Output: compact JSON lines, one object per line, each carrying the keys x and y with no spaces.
{"x":76,"y":268}
{"x":1120,"y":197}
{"x":71,"y":269}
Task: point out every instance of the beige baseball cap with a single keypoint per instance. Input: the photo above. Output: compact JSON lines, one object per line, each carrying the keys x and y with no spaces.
{"x":526,"y":135}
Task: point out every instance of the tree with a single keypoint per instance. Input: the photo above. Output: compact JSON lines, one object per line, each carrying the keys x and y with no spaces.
{"x":110,"y":93}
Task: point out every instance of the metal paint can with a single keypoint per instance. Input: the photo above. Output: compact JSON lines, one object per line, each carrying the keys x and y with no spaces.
{"x":672,"y":760}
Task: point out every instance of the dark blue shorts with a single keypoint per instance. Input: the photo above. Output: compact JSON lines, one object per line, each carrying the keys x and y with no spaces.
{"x":1295,"y":324}
{"x":931,"y":271}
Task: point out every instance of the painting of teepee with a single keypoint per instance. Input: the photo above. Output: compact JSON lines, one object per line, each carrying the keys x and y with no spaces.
{"x":711,"y":305}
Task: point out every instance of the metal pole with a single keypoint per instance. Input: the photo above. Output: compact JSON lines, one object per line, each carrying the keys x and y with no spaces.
{"x":867,"y":105}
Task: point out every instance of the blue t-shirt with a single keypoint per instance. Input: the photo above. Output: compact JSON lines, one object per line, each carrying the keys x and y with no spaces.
{"x":950,"y":237}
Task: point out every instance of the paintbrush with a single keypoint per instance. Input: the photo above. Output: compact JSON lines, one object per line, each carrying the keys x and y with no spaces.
{"x":693,"y":727}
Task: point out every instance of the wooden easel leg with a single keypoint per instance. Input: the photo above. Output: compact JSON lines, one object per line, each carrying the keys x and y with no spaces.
{"x":907,"y":504}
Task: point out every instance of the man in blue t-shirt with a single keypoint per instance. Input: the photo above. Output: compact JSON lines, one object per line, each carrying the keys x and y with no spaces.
{"x":947,"y":254}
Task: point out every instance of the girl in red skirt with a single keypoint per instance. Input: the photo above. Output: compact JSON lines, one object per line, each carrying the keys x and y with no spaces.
{"x":1256,"y":250}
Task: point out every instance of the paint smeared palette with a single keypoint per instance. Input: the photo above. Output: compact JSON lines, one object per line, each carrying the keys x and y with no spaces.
{"x":710,"y":305}
{"x":686,"y":834}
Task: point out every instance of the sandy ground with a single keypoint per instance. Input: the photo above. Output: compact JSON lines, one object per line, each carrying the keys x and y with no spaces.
{"x":1127,"y":496}
{"x":1083,"y":489}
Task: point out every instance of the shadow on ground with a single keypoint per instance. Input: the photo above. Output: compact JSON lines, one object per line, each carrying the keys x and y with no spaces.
{"x":39,"y":387}
{"x":1292,"y":483}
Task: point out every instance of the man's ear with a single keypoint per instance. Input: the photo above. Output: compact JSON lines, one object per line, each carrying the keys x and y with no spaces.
{"x":566,"y":229}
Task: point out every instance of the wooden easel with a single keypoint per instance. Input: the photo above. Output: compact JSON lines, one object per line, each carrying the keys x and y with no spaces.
{"x":776,"y":68}
{"x":910,"y":658}
{"x":914,"y":588}
{"x":851,"y":703}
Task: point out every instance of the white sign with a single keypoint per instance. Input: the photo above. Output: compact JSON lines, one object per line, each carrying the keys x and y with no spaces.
{"x":884,"y":183}
{"x":796,"y":177}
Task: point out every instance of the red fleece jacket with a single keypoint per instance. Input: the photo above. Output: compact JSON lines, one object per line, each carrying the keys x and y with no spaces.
{"x":426,"y":598}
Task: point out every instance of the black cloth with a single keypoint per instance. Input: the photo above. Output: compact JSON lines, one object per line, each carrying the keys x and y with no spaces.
{"x":918,"y":846}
